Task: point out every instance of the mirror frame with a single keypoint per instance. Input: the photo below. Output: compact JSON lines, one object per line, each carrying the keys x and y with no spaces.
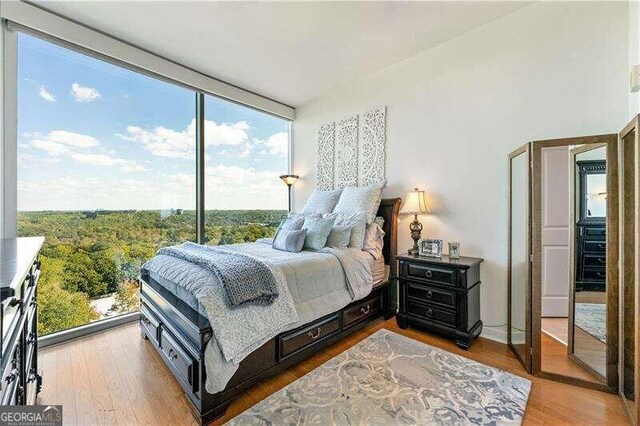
{"x":574,"y":216}
{"x":527,"y":360}
{"x":632,"y":409}
{"x":611,"y":141}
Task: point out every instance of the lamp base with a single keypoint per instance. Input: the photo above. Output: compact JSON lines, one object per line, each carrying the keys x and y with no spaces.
{"x":416,"y":229}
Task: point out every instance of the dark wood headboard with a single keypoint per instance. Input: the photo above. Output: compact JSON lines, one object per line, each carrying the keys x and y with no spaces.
{"x":389,"y":208}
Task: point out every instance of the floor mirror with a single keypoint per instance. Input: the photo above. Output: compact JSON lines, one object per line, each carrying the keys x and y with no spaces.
{"x":629,"y":299}
{"x":574,"y":260}
{"x":563,"y":254}
{"x":519,"y":270}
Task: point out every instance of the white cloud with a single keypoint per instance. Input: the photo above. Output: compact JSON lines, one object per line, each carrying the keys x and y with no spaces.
{"x":46,"y":94}
{"x":164,"y":142}
{"x":84,"y":94}
{"x":98,"y":160}
{"x":53,"y":148}
{"x":276,"y":144}
{"x":58,"y":142}
{"x":107,"y":161}
{"x":227,"y":188}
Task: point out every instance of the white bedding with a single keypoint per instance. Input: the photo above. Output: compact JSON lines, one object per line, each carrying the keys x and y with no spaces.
{"x":317,"y":283}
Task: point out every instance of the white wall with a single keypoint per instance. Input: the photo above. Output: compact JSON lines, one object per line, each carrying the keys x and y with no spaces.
{"x":454,"y":112}
{"x":634,"y":52}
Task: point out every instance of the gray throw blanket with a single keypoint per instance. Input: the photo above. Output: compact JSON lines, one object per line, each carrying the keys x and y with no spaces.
{"x":245,"y":279}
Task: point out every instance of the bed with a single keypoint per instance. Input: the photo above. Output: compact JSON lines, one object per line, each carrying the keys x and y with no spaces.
{"x":180,"y":332}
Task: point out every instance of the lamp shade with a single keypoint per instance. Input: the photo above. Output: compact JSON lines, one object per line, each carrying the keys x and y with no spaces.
{"x":289,"y":179}
{"x":415,"y":203}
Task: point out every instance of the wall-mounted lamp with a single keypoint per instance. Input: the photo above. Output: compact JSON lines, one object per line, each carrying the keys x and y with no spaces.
{"x":289,"y":180}
{"x":415,"y":203}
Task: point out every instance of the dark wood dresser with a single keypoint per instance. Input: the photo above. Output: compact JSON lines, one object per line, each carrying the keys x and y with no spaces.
{"x":19,"y":273}
{"x":591,"y":256}
{"x":441,"y":295}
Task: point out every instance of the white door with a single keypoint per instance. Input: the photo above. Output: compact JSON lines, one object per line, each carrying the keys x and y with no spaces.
{"x":555,"y":231}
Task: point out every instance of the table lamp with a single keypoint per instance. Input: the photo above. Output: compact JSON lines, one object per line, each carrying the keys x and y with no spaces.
{"x":415,"y":203}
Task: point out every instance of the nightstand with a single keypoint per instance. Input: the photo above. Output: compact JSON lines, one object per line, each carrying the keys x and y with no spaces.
{"x":441,"y":295}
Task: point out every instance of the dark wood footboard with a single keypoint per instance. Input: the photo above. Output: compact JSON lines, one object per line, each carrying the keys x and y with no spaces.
{"x":180,"y":335}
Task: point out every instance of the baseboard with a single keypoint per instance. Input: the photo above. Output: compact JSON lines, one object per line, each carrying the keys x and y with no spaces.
{"x":497,"y":333}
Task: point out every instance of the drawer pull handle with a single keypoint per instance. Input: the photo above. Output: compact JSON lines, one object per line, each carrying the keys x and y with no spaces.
{"x":429,"y":312}
{"x":602,"y":246}
{"x":428,"y":273}
{"x":365,"y":310}
{"x":316,"y":335}
{"x":601,"y":260}
{"x":601,"y":275}
{"x":429,"y":294}
{"x":172,"y":354}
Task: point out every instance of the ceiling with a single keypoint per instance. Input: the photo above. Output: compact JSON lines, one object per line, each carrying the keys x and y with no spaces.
{"x":288,"y":51}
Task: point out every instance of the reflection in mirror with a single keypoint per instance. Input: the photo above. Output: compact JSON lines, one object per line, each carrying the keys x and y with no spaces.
{"x":519,"y":246}
{"x":573,"y":247}
{"x":590,"y":297}
{"x":628,"y":260}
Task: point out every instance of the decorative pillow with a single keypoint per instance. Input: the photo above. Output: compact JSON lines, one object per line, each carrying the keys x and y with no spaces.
{"x":380,"y":221}
{"x":357,"y":222}
{"x":290,"y":240}
{"x":321,"y":201}
{"x":318,"y":230}
{"x":373,"y":240}
{"x":339,"y":236}
{"x":360,"y":199}
{"x":302,"y":216}
{"x":294,"y":223}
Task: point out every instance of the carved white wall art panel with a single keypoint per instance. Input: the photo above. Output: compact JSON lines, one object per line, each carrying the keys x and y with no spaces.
{"x":372,"y":148}
{"x":351,"y":152}
{"x":324,"y":173}
{"x":346,"y":152}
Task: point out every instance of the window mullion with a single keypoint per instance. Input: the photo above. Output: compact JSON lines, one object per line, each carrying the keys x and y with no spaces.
{"x":200,"y":168}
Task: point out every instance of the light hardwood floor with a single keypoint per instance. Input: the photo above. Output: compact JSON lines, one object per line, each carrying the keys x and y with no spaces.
{"x":116,"y":377}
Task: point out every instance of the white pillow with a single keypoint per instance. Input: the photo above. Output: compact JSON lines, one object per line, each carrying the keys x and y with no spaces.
{"x":360,"y":199}
{"x":357,"y":222}
{"x":321,"y":201}
{"x":373,"y":240}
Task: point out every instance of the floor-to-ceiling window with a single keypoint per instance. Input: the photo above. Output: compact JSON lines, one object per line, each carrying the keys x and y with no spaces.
{"x":106,"y":172}
{"x":246,"y":152}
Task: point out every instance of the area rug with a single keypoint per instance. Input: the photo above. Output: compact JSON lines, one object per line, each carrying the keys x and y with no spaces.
{"x":391,"y":379}
{"x":592,"y":318}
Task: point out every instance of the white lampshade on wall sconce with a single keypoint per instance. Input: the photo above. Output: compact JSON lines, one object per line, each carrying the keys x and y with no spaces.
{"x":415,"y":203}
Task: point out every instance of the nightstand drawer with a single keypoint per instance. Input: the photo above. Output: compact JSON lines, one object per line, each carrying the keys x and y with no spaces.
{"x":595,"y":232}
{"x":595,"y":260}
{"x":595,"y":274}
{"x":431,"y":294}
{"x":595,"y":247}
{"x":434,"y":274}
{"x":432,"y":313}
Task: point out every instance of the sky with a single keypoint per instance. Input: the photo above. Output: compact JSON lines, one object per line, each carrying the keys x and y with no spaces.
{"x":92,"y":135}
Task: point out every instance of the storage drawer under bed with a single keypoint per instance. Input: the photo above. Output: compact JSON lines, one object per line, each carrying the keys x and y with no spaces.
{"x":361,"y":310}
{"x":181,"y":361}
{"x":149,"y":323}
{"x":296,"y":340}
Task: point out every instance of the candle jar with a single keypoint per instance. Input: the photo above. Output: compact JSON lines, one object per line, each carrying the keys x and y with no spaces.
{"x":454,"y":250}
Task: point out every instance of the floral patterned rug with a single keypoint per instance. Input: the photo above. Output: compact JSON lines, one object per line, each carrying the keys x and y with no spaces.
{"x":391,"y":379}
{"x":592,"y":318}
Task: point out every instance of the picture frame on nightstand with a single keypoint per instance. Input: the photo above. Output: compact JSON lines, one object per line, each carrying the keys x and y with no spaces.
{"x":431,"y":248}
